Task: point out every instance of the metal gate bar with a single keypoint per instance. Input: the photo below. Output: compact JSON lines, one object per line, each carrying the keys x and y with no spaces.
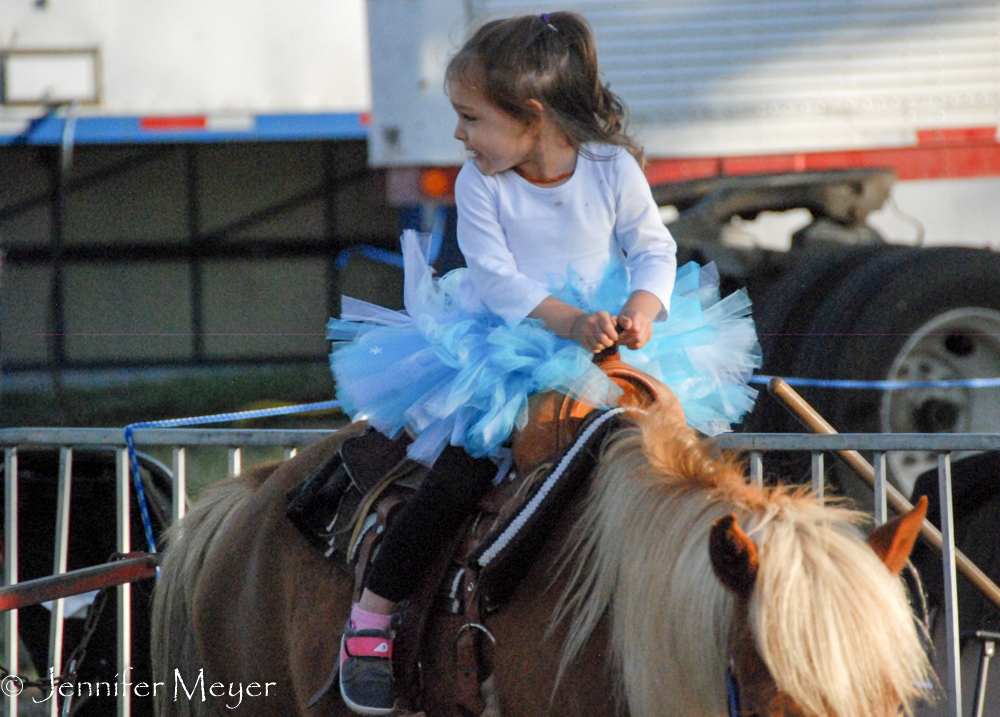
{"x":10,"y":565}
{"x":66,"y":439}
{"x":122,"y":492}
{"x":62,"y":555}
{"x":950,"y":583}
{"x":85,"y":580}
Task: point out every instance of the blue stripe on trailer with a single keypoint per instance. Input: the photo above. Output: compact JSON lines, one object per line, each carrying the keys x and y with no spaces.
{"x":49,"y":129}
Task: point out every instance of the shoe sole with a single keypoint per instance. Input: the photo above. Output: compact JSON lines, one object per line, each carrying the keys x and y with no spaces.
{"x":354,"y":707}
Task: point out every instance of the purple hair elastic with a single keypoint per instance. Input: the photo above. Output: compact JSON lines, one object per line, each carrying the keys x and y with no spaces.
{"x":545,"y":19}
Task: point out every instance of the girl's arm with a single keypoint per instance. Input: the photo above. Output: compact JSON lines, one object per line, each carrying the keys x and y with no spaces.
{"x":492,"y":268}
{"x":651,"y":253}
{"x":594,"y":332}
{"x":599,"y":330}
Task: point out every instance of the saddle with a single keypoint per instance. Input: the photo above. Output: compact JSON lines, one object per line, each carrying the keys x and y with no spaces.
{"x":345,"y":507}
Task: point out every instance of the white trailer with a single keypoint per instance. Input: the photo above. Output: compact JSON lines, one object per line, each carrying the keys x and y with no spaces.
{"x":210,"y":71}
{"x":722,"y":87}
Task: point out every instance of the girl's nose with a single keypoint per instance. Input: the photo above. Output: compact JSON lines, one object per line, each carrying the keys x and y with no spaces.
{"x":460,"y":132}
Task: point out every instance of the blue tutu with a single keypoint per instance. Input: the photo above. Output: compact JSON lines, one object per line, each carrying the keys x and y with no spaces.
{"x":450,"y":374}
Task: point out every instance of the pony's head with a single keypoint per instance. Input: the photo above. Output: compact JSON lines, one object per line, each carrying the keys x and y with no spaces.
{"x":813,"y":619}
{"x":774,"y":656}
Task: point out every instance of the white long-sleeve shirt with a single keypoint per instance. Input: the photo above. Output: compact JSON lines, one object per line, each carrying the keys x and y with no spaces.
{"x":518,"y":239}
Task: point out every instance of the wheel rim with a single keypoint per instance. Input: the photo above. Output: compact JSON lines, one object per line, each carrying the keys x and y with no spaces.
{"x":958,"y":344}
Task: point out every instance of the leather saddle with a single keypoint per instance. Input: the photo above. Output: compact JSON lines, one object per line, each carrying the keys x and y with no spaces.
{"x":555,"y":418}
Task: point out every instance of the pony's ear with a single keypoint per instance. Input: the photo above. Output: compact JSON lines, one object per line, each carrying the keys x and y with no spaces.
{"x":894,"y":540}
{"x":734,"y":556}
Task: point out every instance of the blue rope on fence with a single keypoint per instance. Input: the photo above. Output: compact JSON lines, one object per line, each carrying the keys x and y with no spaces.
{"x":882,"y":385}
{"x":147,"y":523}
{"x":393,"y":258}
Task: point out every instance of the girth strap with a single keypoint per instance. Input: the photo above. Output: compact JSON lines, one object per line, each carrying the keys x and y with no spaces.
{"x":467,"y":664}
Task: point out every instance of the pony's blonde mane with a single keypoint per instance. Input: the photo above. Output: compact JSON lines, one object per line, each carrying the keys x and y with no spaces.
{"x":831,"y":623}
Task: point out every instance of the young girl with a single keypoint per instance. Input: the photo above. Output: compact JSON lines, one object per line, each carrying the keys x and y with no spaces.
{"x":566,"y":256}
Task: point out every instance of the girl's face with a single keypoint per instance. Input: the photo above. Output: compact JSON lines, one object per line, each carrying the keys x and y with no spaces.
{"x":494,"y":139}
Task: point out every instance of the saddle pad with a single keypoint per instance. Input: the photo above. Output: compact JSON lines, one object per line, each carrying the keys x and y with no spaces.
{"x":511,"y":547}
{"x":371,"y":456}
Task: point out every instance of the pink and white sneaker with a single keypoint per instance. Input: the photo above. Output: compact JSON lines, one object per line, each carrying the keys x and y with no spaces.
{"x":366,"y":681}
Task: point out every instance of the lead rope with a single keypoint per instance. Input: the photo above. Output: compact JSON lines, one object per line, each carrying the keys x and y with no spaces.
{"x":147,"y":523}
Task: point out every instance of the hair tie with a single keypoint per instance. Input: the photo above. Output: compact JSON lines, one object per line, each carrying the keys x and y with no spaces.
{"x":545,"y":19}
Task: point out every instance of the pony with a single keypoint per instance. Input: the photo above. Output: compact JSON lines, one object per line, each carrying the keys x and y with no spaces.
{"x":668,"y":572}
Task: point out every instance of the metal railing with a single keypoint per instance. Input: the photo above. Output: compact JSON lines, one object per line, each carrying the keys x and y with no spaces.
{"x":68,"y":439}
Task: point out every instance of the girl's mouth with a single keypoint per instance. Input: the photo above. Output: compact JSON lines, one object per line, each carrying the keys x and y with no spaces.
{"x":473,"y":154}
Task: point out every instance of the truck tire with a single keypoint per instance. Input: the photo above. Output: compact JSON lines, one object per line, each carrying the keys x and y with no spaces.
{"x":783,"y":313}
{"x":909,"y":315}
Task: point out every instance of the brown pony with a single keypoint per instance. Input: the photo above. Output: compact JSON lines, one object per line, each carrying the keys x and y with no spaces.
{"x":629,"y":607}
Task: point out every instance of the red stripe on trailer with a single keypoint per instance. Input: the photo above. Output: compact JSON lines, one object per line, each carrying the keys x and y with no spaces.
{"x":939,"y":154}
{"x":956,"y":135}
{"x":768,"y":164}
{"x":661,"y":171}
{"x":173,"y":123}
{"x":949,"y":162}
{"x":950,"y":153}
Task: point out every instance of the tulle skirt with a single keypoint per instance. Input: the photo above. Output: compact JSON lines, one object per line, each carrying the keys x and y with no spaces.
{"x":452,"y":374}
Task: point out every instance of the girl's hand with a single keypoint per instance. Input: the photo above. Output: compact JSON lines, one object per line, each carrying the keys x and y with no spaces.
{"x":636,"y":318}
{"x":637,"y":329}
{"x":596,"y":331}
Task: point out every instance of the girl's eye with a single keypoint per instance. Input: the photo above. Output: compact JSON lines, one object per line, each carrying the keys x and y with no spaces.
{"x":468,"y":118}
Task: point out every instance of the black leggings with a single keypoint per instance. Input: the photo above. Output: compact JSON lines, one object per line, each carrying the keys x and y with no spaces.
{"x":444,"y":500}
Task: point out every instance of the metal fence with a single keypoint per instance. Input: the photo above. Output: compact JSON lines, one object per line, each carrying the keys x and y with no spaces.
{"x":235,"y":440}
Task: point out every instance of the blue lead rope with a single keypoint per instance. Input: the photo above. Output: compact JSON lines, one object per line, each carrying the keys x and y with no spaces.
{"x":147,"y":523}
{"x":882,"y":385}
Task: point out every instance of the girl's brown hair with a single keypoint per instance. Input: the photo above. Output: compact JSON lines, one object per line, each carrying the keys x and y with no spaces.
{"x":550,"y":58}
